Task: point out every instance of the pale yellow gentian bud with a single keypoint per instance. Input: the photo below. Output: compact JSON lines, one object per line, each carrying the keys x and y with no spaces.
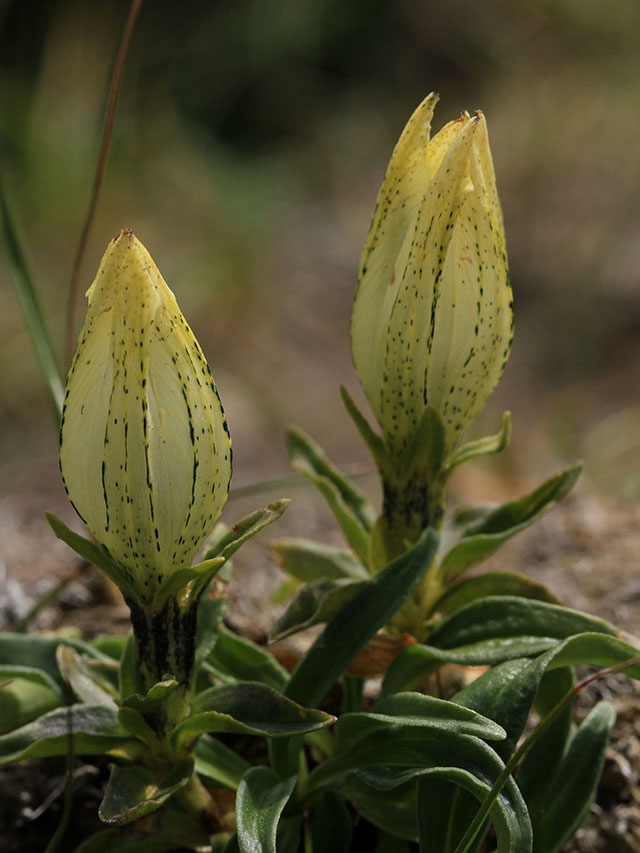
{"x":145,"y":452}
{"x":432,"y":318}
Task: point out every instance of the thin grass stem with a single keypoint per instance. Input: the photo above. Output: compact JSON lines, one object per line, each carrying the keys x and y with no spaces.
{"x":114,"y":91}
{"x":30,"y":305}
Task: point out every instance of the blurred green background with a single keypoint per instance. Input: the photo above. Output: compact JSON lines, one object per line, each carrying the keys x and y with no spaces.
{"x":250,"y":141}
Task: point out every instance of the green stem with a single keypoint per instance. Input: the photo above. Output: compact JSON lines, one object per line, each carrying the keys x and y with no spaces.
{"x":198,"y":802}
{"x":114,"y":91}
{"x":351,"y":694}
{"x":165,"y":643}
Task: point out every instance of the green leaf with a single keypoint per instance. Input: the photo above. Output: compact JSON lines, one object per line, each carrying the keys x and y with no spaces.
{"x":392,"y":811}
{"x":426,"y":452}
{"x":490,"y":583}
{"x":505,"y":694}
{"x":135,"y":724}
{"x":502,"y":616}
{"x":309,"y":561}
{"x":23,"y":699}
{"x":129,"y":679}
{"x":30,"y":305}
{"x":259,"y":803}
{"x":357,"y":623}
{"x":187,"y":583}
{"x":352,"y":511}
{"x":314,"y":604}
{"x":509,"y":816}
{"x":95,"y":730}
{"x":374,"y":442}
{"x":289,"y":833}
{"x":482,"y":538}
{"x":248,"y":708}
{"x":32,"y":652}
{"x":92,"y":553}
{"x":155,"y":696}
{"x":245,"y":661}
{"x":112,"y":646}
{"x":85,"y":677}
{"x":541,"y":761}
{"x":169,"y":831}
{"x":210,"y":613}
{"x":444,"y":811}
{"x":33,"y":675}
{"x":417,"y":662}
{"x":244,"y":529}
{"x":486,"y":446}
{"x":407,"y":748}
{"x":464,"y":760}
{"x":414,"y":709}
{"x":570,"y":793}
{"x":135,"y":791}
{"x":331,"y":826}
{"x":221,"y":766}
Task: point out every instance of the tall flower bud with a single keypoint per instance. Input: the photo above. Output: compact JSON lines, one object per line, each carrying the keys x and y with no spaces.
{"x":432,"y":318}
{"x":145,"y":452}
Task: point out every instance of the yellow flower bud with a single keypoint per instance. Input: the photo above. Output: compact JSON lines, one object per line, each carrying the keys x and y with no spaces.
{"x":432,"y":318}
{"x":145,"y":452}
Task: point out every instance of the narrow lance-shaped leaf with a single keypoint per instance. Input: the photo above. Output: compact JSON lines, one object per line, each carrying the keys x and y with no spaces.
{"x":331,"y":825}
{"x":227,"y":544}
{"x":85,"y":681}
{"x":218,"y":764}
{"x":94,"y":730}
{"x":482,"y":538}
{"x":136,"y":791}
{"x":348,"y":504}
{"x":541,"y":761}
{"x":571,"y":792}
{"x":247,"y":708}
{"x":309,"y":561}
{"x":505,"y":616}
{"x":314,"y":604}
{"x":405,"y":753}
{"x":482,"y":446}
{"x":418,"y":661}
{"x":356,"y":624}
{"x":414,"y":709}
{"x":39,"y":653}
{"x":245,"y":661}
{"x":488,"y":584}
{"x":260,"y":800}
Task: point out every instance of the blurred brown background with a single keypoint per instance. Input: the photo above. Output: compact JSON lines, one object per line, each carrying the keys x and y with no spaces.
{"x":250,"y":141}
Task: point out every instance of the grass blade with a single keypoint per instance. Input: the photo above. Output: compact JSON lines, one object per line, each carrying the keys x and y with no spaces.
{"x":30,"y":305}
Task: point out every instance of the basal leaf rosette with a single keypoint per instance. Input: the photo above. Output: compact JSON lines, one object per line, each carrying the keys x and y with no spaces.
{"x":432,"y":317}
{"x":145,"y":452}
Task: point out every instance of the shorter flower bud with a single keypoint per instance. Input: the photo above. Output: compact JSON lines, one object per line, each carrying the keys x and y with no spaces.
{"x":145,"y":452}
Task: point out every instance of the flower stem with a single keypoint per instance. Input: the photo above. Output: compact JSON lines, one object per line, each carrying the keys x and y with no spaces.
{"x":200,"y":804}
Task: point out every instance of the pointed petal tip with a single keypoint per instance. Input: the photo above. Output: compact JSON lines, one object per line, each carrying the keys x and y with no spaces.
{"x":124,"y":232}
